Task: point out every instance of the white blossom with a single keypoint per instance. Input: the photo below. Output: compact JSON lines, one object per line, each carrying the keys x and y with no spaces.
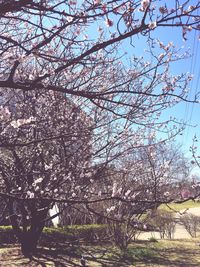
{"x":69,"y":19}
{"x":127,"y":192}
{"x":161,"y":56}
{"x":4,"y":113}
{"x":47,"y":167}
{"x":144,"y":5}
{"x":112,"y":208}
{"x":30,"y":194}
{"x":20,"y":122}
{"x":166,"y":194}
{"x":114,"y":190}
{"x":39,"y":180}
{"x":190,"y":8}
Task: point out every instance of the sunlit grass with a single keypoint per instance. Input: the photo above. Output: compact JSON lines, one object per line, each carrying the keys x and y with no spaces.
{"x":182,"y":206}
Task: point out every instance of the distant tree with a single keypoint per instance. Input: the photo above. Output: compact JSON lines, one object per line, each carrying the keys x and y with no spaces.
{"x":163,"y":221}
{"x":191,"y":223}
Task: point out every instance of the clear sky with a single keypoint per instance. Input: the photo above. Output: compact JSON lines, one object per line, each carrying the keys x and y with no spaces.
{"x":188,"y":113}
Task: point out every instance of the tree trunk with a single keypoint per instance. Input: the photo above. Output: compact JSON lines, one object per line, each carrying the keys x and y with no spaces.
{"x":29,"y":243}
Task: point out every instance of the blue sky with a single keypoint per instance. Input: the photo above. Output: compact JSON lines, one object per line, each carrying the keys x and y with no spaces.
{"x":188,"y":113}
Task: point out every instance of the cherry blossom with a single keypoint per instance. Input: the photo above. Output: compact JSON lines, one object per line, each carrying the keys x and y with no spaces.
{"x":81,"y":112}
{"x":109,"y":22}
{"x":144,"y":4}
{"x":152,"y":25}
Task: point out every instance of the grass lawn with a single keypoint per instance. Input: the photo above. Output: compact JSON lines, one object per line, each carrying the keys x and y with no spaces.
{"x":183,"y":253}
{"x":177,"y":207}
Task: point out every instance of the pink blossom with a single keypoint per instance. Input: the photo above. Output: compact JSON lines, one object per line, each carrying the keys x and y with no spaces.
{"x":163,"y":10}
{"x":152,"y":25}
{"x":185,"y":193}
{"x":104,"y":8}
{"x":109,"y":22}
{"x":72,"y":2}
{"x":190,"y":8}
{"x":96,"y":2}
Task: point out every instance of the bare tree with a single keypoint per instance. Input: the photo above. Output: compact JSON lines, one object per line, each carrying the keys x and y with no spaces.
{"x":191,"y":223}
{"x":44,"y":149}
{"x":56,"y":45}
{"x":164,"y":222}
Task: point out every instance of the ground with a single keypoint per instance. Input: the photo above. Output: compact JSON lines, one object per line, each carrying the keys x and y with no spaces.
{"x":183,"y":252}
{"x":180,"y":206}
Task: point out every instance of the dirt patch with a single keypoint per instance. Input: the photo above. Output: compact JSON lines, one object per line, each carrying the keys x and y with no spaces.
{"x":10,"y":257}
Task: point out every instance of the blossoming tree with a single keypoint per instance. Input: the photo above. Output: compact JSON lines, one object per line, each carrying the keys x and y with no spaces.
{"x":44,"y":149}
{"x":73,"y":98}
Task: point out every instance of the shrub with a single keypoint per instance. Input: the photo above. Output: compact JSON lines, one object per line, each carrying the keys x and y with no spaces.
{"x":191,"y":223}
{"x":72,"y":234}
{"x":164,"y":222}
{"x":139,"y":253}
{"x":6,"y":235}
{"x":122,"y":234}
{"x":88,"y":233}
{"x":153,"y":239}
{"x":75,"y":234}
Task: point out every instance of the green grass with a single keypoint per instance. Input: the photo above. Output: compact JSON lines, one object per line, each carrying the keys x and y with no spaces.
{"x":177,"y":207}
{"x":5,"y":228}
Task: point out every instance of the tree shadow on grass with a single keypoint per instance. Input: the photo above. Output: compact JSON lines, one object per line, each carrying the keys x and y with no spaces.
{"x":180,"y":256}
{"x":142,"y":255}
{"x":70,"y":256}
{"x":139,"y":254}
